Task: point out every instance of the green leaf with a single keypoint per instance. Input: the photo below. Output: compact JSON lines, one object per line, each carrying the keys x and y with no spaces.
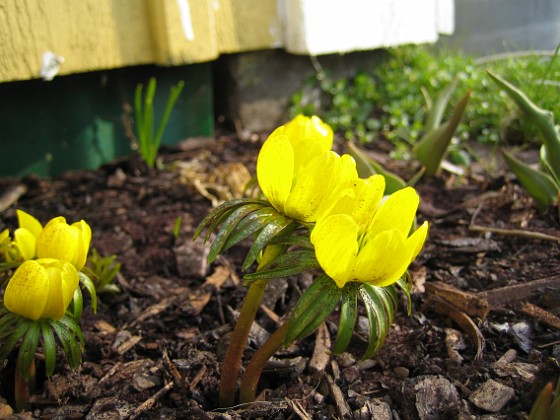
{"x":220,"y":213}
{"x":538,"y":184}
{"x":27,"y":349}
{"x":273,"y":228}
{"x":285,"y":265}
{"x":313,"y":307}
{"x":251,"y":224}
{"x":66,"y":334}
{"x":543,"y":119}
{"x":541,"y":407}
{"x":49,"y":344}
{"x":436,"y":109}
{"x":229,"y":224}
{"x":78,"y":304}
{"x":405,"y":284}
{"x":431,"y":149}
{"x":380,"y":307}
{"x":348,"y":316}
{"x":367,"y":167}
{"x":13,"y":337}
{"x":86,"y":282}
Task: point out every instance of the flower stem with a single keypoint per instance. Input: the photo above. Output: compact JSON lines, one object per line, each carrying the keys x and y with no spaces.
{"x":23,"y":388}
{"x":254,"y":368}
{"x":234,"y":354}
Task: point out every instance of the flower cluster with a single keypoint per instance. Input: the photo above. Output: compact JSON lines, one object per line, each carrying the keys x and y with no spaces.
{"x":358,"y":236}
{"x":317,"y":214}
{"x":50,"y":258}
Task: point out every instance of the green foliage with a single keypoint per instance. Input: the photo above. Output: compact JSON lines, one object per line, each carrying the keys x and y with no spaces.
{"x":100,"y":271}
{"x":543,"y":185}
{"x":148,"y":141}
{"x":387,"y":102}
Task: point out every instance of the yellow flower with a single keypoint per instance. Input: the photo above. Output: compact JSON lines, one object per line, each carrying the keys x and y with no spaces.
{"x":297,"y":173}
{"x":26,"y":235}
{"x":366,"y":239}
{"x":41,"y":288}
{"x":65,"y":242}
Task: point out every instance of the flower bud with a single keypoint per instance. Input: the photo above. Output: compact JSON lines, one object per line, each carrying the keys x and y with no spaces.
{"x":41,"y":288}
{"x":65,"y":242}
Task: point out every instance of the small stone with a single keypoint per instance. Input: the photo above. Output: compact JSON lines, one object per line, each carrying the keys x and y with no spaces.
{"x":491,"y":396}
{"x":192,"y":259}
{"x":142,"y":382}
{"x":401,"y":372}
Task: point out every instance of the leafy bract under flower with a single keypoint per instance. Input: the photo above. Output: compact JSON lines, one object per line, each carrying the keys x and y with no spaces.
{"x":41,"y":288}
{"x":303,"y":190}
{"x":367,"y":240}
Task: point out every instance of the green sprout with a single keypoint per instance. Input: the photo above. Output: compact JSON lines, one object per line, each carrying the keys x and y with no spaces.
{"x":148,"y":142}
{"x":542,"y":184}
{"x":102,"y":271}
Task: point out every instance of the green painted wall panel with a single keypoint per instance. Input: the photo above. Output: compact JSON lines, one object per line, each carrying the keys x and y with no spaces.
{"x":77,"y":121}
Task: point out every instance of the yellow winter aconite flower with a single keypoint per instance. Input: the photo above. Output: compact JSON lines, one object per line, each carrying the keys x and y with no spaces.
{"x":297,"y":173}
{"x":41,"y":288}
{"x":366,"y":239}
{"x":65,"y":242}
{"x":25,"y":236}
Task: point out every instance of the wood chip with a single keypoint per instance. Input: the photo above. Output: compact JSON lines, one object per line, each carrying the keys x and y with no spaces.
{"x":11,"y":196}
{"x":321,"y":356}
{"x":541,"y":315}
{"x":297,"y":409}
{"x":470,"y":303}
{"x":104,"y":326}
{"x":434,"y":395}
{"x":149,"y":403}
{"x":491,"y":396}
{"x":519,"y":292}
{"x":128,"y":344}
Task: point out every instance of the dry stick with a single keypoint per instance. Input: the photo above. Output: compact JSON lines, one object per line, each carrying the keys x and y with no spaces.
{"x":518,"y":292}
{"x":149,"y":403}
{"x":515,"y":232}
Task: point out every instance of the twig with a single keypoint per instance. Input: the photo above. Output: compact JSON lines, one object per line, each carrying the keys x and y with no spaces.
{"x":149,"y":403}
{"x":518,"y":292}
{"x":541,"y":315}
{"x":515,"y":232}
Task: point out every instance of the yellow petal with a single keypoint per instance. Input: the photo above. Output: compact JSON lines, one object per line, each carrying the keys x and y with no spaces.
{"x":63,"y":279}
{"x":383,"y":259}
{"x":59,"y":241}
{"x":28,"y":290}
{"x":25,"y":241}
{"x":309,"y":137}
{"x":28,"y":222}
{"x":275,"y":168}
{"x":397,"y":212}
{"x":336,"y":245}
{"x":415,"y":242}
{"x":84,"y":239}
{"x":315,"y":193}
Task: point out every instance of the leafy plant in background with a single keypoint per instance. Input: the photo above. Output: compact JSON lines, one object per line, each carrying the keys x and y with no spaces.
{"x":148,"y":141}
{"x":544,"y":184}
{"x":387,"y":101}
{"x":317,"y":215}
{"x":102,"y":271}
{"x":43,"y":298}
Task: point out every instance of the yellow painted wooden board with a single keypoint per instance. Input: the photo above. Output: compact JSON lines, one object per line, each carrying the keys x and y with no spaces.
{"x":103,"y":34}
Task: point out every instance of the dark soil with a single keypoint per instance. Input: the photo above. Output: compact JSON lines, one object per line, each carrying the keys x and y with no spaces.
{"x":154,"y":350}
